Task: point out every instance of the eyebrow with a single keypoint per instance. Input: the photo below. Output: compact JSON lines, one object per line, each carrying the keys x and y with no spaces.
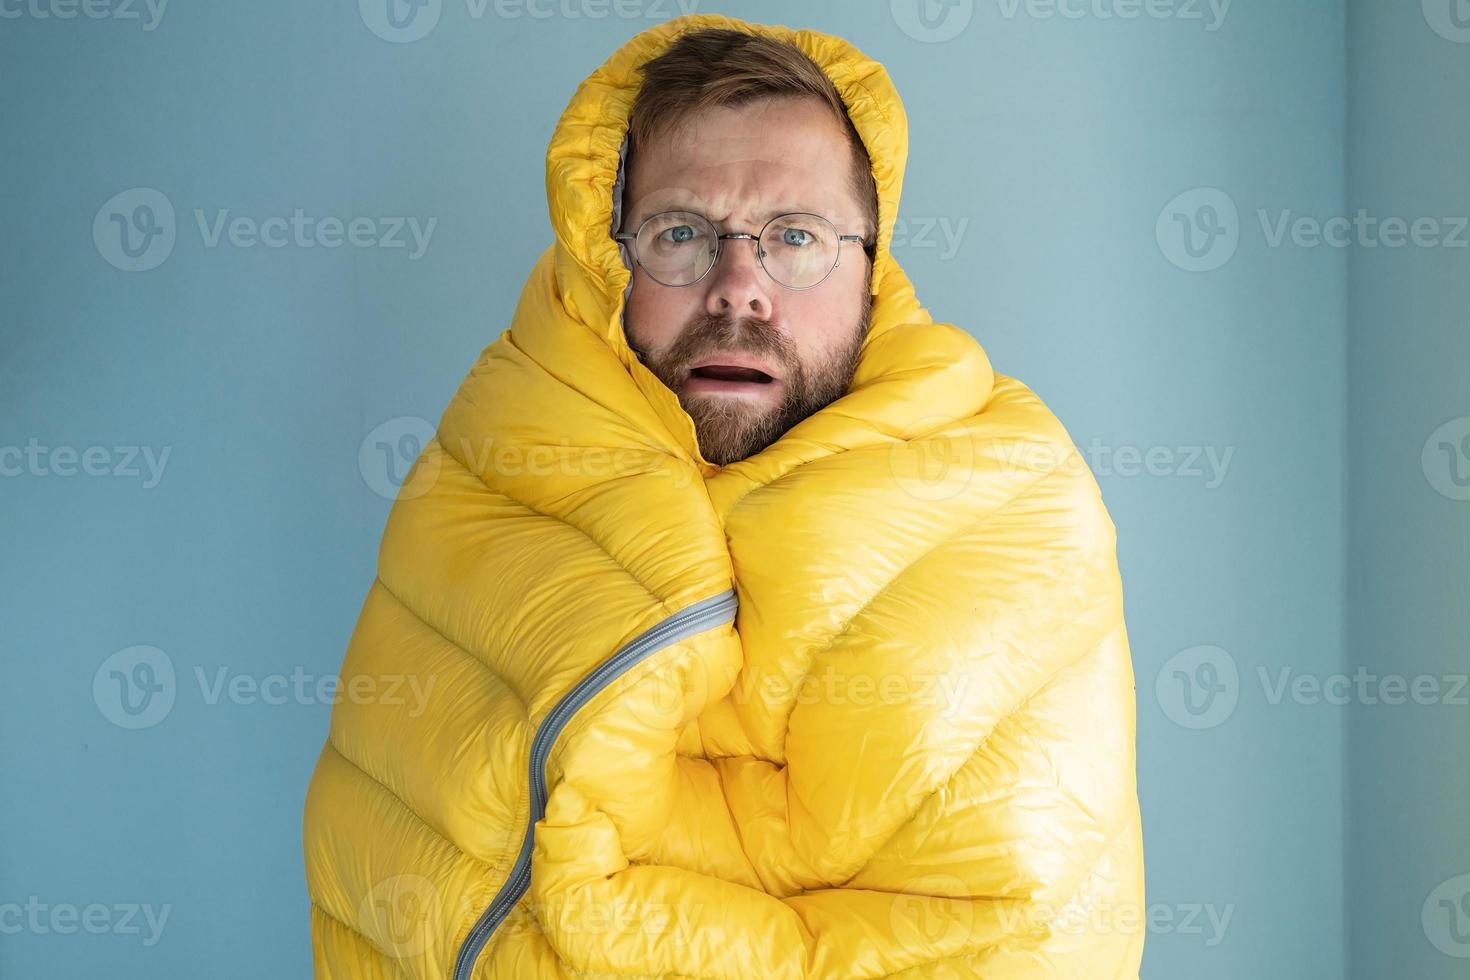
{"x":689,"y":204}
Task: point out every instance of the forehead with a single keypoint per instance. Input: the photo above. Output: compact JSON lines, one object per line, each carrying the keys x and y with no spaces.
{"x":750,"y":162}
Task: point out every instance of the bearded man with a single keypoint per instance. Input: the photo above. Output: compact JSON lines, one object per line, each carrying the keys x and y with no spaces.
{"x":772,"y":633}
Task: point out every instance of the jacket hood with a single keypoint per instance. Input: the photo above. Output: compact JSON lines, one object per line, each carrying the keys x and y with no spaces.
{"x":905,"y":352}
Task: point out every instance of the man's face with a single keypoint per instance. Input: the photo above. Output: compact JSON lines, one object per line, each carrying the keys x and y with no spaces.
{"x":739,"y":168}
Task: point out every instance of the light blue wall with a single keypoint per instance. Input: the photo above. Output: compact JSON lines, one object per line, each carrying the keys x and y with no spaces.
{"x":1409,"y":501}
{"x":1045,"y":146}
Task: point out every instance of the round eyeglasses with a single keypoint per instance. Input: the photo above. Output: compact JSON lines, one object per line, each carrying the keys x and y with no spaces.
{"x":678,"y":248}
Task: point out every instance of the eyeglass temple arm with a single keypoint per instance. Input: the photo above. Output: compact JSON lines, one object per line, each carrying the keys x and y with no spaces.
{"x":870,"y":248}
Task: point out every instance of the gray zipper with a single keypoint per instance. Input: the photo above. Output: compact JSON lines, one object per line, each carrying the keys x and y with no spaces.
{"x":696,"y":618}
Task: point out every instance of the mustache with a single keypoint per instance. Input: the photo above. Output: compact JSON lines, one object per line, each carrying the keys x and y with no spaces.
{"x":710,"y":332}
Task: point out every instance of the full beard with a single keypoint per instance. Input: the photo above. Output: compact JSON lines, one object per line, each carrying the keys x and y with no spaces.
{"x":730,"y":429}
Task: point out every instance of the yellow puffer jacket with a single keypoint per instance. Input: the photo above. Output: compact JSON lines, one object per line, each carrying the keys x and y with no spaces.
{"x":858,"y":706}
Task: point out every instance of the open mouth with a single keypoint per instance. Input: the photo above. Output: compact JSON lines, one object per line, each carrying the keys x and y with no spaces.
{"x":731,"y":373}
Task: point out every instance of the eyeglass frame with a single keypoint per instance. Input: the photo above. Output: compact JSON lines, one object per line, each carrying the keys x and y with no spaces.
{"x":869,"y":249}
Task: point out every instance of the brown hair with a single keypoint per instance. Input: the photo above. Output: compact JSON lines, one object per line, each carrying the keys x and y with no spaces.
{"x":719,"y":67}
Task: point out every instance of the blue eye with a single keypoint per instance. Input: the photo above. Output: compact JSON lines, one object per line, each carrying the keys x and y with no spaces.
{"x":681,"y":233}
{"x":795,"y":236}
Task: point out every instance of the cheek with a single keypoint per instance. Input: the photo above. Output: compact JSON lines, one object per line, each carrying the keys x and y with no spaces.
{"x":655,"y":315}
{"x":824,"y":320}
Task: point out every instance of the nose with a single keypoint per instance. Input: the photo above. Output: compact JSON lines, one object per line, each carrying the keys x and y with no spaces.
{"x":738,"y":286}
